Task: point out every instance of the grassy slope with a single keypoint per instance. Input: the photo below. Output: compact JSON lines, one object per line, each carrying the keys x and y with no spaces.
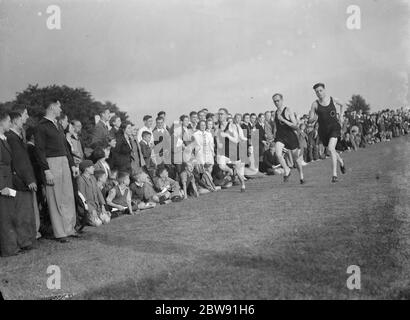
{"x":275,"y":241}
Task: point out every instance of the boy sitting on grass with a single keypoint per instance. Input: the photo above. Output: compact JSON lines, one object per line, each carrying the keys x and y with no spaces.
{"x":119,"y":197}
{"x":101,"y":178}
{"x":87,"y":186}
{"x":110,"y":183}
{"x":168,"y":187}
{"x":143,"y":193}
{"x":188,"y":180}
{"x":207,"y":182}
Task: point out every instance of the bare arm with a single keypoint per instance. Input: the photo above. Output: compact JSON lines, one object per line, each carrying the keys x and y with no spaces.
{"x":341,"y":105}
{"x":293,"y":122}
{"x":129,"y":201}
{"x":110,"y":198}
{"x":195,"y":188}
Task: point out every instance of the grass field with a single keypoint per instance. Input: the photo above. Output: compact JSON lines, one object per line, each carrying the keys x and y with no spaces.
{"x":275,"y":241}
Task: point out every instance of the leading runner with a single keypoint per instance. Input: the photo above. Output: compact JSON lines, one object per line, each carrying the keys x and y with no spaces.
{"x":324,"y":111}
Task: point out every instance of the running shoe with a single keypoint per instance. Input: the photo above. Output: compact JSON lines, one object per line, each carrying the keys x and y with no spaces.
{"x":334,"y":179}
{"x":343,"y":168}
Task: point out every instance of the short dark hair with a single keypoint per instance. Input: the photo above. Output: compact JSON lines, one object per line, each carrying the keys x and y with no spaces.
{"x":3,"y":114}
{"x":104,"y":110}
{"x":122,"y":175}
{"x":161,"y":169}
{"x":49,"y":101}
{"x":277,"y":94}
{"x":260,"y":115}
{"x":19,"y":108}
{"x":113,"y":119}
{"x":146,"y":118}
{"x":181,"y":118}
{"x":317,"y":85}
{"x":145,"y":133}
{"x":192,"y":113}
{"x":159,"y":118}
{"x":253,"y":114}
{"x":98,"y":174}
{"x":14,"y":115}
{"x":161,"y":114}
{"x":98,"y":153}
{"x":124,"y":125}
{"x":209,"y":116}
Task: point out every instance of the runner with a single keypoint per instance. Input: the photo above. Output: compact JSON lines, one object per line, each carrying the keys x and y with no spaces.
{"x":286,"y":137}
{"x":324,"y":112}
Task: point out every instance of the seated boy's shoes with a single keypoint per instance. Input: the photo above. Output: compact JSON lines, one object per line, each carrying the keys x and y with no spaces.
{"x":227,"y":185}
{"x":94,"y":220}
{"x":162,"y":199}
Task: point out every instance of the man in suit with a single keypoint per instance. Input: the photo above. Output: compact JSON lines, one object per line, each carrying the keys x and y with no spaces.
{"x":24,"y":182}
{"x":8,"y":234}
{"x":101,"y":130}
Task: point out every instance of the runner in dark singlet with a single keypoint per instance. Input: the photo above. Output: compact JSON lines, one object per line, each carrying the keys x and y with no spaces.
{"x":286,"y":137}
{"x":324,"y":111}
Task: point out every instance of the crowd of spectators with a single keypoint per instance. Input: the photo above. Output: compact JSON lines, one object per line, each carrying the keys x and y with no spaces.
{"x":52,"y":185}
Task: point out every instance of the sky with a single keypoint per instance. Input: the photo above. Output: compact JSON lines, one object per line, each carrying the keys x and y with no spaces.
{"x":182,"y":55}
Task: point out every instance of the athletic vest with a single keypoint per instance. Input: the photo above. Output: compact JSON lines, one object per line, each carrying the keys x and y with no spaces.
{"x":327,"y":115}
{"x":282,"y":128}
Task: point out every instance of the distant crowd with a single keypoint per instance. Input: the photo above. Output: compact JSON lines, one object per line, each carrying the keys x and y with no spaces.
{"x":52,"y":185}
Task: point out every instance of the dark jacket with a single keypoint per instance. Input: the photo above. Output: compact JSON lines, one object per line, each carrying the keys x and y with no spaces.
{"x":262,"y":137}
{"x":50,"y":142}
{"x":100,"y":134}
{"x":23,"y":172}
{"x":6,"y":180}
{"x":146,"y":154}
{"x":122,"y":155}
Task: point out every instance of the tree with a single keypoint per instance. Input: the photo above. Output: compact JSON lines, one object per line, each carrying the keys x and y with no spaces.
{"x":77,"y":103}
{"x":358,"y":103}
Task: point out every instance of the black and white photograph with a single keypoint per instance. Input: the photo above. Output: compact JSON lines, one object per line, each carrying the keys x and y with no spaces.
{"x":204,"y":155}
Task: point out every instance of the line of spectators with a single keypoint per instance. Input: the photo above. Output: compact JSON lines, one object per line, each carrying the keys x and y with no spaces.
{"x":52,"y":185}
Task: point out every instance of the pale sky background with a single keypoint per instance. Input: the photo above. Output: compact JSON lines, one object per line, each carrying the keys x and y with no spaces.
{"x":180,"y":55}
